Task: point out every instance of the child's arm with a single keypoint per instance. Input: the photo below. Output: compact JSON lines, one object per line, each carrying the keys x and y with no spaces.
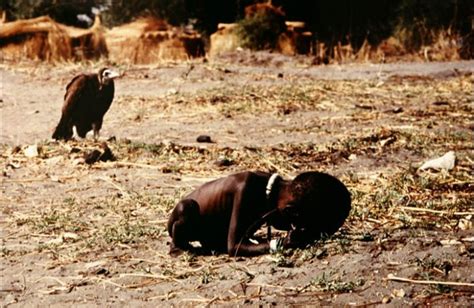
{"x":237,"y":243}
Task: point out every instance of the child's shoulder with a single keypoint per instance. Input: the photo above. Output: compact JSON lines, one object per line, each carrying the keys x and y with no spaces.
{"x":250,"y":176}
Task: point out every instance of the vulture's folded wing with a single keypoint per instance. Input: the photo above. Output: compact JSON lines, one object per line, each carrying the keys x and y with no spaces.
{"x":75,"y":91}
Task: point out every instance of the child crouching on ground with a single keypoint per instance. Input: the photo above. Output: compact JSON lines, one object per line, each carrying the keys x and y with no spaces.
{"x":224,"y":214}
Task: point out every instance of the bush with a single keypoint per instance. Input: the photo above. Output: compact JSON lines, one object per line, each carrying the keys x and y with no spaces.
{"x":261,"y":30}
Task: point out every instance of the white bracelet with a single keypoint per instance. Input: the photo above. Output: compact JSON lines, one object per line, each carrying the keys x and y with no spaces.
{"x":271,"y":181}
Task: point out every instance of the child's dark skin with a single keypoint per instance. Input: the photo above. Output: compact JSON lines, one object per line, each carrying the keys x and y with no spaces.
{"x":223,"y":214}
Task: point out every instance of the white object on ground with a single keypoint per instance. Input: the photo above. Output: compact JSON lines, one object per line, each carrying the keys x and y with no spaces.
{"x":31,"y":151}
{"x":444,"y":162}
{"x":276,"y":245}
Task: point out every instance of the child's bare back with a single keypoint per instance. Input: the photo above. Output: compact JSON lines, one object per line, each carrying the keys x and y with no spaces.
{"x":223,"y":214}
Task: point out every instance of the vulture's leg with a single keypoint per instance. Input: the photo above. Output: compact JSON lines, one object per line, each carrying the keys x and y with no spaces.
{"x":96,"y":134}
{"x":96,"y":126}
{"x":82,"y":130}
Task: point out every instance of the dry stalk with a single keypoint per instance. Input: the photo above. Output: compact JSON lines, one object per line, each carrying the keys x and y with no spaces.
{"x":201,"y":300}
{"x":118,"y":187}
{"x":109,"y":281}
{"x":430,"y":282}
{"x":416,"y":209}
{"x":53,"y":278}
{"x":153,"y":276}
{"x":141,"y":285}
{"x":212,"y":300}
{"x":264,"y":285}
{"x":129,"y":164}
{"x":25,"y":180}
{"x":130,"y":286}
{"x":166,"y":296}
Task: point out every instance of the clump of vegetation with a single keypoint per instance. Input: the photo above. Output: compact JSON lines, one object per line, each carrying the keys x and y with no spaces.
{"x":126,"y":232}
{"x":327,"y":284}
{"x":261,"y":29}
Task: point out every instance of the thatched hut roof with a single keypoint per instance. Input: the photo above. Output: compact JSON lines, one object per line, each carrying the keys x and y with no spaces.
{"x":43,"y":38}
{"x":148,"y":40}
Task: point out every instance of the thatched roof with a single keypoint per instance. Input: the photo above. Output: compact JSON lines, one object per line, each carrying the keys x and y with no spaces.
{"x":43,"y":38}
{"x":148,"y":40}
{"x":145,"y":40}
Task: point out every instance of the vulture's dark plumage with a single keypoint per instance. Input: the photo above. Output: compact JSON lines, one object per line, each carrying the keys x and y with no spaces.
{"x":87,"y":99}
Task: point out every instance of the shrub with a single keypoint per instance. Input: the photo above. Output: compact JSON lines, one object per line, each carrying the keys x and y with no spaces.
{"x":261,"y":28}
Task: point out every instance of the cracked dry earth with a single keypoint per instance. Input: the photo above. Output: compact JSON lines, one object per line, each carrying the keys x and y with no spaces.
{"x":75,"y":234}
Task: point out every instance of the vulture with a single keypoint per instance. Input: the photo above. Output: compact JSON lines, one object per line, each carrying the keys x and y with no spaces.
{"x":87,"y":99}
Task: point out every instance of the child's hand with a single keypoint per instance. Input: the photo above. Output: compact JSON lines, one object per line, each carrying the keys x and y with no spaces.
{"x":294,"y":239}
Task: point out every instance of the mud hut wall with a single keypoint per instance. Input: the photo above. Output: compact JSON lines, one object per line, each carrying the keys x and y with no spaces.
{"x":224,"y":40}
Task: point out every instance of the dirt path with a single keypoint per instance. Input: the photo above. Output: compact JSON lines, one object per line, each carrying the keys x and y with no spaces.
{"x":74,"y":234}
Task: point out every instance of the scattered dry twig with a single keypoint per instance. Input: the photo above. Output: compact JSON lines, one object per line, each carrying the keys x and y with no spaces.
{"x":430,"y":282}
{"x":153,"y":276}
{"x":417,"y":209}
{"x":129,"y":164}
{"x":118,"y":187}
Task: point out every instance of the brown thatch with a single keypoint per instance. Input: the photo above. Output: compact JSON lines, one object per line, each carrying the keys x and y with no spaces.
{"x":295,"y":40}
{"x":466,"y":51}
{"x":444,"y":48}
{"x":88,"y":43}
{"x":390,"y":47}
{"x":44,"y":39}
{"x":224,"y":40}
{"x":39,"y":38}
{"x":148,"y":40}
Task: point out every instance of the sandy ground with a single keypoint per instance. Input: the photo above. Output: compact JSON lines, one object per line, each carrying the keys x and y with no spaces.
{"x":80,"y":235}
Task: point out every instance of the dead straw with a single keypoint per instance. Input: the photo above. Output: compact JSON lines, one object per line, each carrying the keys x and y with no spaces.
{"x":430,"y":282}
{"x":416,"y":209}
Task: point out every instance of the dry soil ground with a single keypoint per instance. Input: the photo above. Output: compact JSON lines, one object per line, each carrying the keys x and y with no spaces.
{"x":87,"y":235}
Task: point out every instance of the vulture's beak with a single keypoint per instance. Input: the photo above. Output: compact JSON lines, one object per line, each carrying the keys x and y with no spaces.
{"x":113,"y":74}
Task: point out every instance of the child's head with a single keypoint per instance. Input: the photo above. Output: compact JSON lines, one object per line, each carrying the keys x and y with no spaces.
{"x":320,"y":202}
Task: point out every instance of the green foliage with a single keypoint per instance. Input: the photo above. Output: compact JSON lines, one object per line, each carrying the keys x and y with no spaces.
{"x":127,"y":232}
{"x":328,"y":284}
{"x":122,"y":11}
{"x":261,"y":31}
